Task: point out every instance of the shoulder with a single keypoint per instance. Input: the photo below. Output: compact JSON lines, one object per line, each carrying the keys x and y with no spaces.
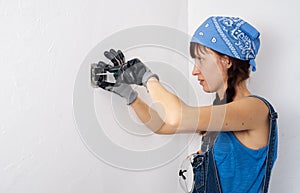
{"x":256,"y":136}
{"x":252,"y":109}
{"x":250,"y":104}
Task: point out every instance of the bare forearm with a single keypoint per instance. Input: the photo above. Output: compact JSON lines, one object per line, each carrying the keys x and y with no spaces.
{"x":147,"y":115}
{"x":171,"y":104}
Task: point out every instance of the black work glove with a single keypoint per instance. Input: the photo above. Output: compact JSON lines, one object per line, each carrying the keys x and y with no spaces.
{"x":122,"y":89}
{"x":130,"y":72}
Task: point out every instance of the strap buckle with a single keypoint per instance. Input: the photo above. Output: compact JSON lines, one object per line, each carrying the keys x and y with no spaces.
{"x":273,"y":115}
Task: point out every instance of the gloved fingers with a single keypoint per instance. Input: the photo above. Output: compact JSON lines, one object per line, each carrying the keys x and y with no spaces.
{"x":102,"y":65}
{"x":121,"y":56}
{"x":97,"y":71}
{"x":113,"y":52}
{"x":106,"y":85}
{"x":111,"y":57}
{"x":128,"y":65}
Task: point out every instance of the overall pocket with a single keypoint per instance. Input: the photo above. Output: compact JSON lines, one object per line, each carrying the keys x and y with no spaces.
{"x":200,"y":171}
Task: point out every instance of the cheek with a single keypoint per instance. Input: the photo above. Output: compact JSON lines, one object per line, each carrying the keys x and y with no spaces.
{"x":210,"y":71}
{"x":213,"y":75}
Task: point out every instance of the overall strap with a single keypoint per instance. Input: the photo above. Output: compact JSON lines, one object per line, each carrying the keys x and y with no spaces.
{"x":208,"y":140}
{"x":271,"y":144}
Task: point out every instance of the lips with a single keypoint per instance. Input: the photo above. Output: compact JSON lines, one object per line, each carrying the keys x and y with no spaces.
{"x":201,"y":81}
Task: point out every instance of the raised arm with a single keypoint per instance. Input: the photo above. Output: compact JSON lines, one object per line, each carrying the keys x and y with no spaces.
{"x":151,"y":118}
{"x":244,"y":114}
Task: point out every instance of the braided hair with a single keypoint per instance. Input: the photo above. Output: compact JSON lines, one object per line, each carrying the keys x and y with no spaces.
{"x":237,"y":73}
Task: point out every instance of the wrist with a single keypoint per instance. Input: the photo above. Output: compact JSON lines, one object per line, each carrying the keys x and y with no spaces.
{"x":132,"y":97}
{"x":153,"y":79}
{"x":151,"y":82}
{"x":149,"y":75}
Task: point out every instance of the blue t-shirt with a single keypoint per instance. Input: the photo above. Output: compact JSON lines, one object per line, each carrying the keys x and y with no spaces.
{"x":241,"y":170}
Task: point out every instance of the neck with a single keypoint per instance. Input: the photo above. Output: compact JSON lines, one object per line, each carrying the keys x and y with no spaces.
{"x":221,"y":92}
{"x":241,"y":91}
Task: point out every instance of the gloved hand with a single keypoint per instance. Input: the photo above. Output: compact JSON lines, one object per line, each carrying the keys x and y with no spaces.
{"x":132,"y":71}
{"x":122,"y":89}
{"x":135,"y":72}
{"x":117,"y":58}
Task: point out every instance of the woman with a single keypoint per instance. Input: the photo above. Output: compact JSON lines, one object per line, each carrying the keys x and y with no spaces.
{"x":224,"y":49}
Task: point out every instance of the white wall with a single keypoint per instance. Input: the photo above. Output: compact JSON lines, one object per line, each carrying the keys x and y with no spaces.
{"x":277,"y":73}
{"x":43,"y":45}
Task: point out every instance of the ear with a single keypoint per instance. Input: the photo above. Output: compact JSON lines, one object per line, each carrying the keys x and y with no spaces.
{"x":225,"y":61}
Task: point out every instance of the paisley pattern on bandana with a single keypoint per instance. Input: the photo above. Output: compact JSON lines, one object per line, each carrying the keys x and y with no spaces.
{"x":231,"y":27}
{"x":231,"y":36}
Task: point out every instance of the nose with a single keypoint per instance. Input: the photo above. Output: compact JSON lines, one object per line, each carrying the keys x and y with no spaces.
{"x":196,"y":71}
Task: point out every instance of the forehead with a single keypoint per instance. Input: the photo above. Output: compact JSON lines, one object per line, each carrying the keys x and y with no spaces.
{"x":201,"y":52}
{"x":197,"y":50}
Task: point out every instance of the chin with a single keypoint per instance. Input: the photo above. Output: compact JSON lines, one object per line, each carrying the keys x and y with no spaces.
{"x":207,"y":90}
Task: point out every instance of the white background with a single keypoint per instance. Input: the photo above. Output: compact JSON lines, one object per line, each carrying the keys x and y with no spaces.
{"x":42,"y":45}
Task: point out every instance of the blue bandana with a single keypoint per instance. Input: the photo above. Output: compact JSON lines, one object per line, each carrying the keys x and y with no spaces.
{"x":231,"y":36}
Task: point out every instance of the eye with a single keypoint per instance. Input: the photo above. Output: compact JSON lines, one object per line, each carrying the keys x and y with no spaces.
{"x":200,"y":59}
{"x":199,"y":62}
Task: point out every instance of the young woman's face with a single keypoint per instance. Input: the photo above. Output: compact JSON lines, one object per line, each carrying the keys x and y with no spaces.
{"x":210,"y":70}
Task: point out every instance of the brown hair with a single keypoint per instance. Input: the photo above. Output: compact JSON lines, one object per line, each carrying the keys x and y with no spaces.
{"x":238,"y":72}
